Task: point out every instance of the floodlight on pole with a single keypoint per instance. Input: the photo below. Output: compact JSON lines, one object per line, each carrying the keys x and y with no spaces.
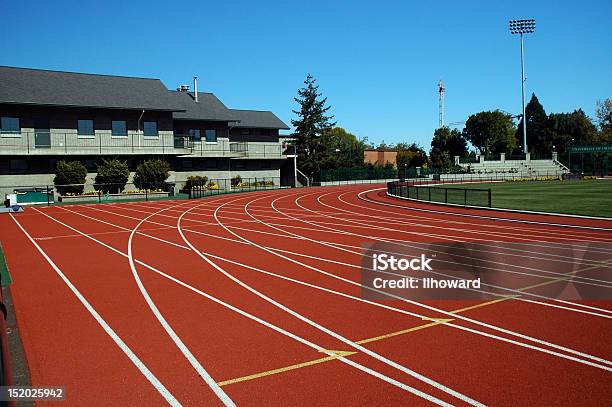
{"x":523,"y":27}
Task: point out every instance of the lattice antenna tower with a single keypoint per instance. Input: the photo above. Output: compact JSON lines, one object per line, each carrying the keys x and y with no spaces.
{"x":441,"y":91}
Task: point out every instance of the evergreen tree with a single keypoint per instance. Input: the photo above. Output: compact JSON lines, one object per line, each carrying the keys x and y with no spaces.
{"x":570,"y":128}
{"x":538,"y":137}
{"x":312,"y":121}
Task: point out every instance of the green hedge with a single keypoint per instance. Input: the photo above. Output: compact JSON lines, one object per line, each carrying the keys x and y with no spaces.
{"x":152,"y":174}
{"x":112,"y":176}
{"x":70,"y":177}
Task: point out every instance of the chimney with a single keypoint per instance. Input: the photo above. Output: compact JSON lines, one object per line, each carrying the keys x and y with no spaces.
{"x":183,"y":88}
{"x":195,"y":88}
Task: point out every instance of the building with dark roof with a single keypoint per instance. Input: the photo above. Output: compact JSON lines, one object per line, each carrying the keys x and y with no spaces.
{"x":46,"y":116}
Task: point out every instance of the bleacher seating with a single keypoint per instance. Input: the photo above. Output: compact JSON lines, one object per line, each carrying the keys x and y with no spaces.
{"x":522,"y":168}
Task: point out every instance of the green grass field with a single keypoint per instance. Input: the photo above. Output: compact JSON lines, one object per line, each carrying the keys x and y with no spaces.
{"x":589,"y":197}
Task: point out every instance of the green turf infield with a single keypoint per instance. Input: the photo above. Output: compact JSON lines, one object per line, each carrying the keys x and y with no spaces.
{"x":5,"y":276}
{"x":588,"y":197}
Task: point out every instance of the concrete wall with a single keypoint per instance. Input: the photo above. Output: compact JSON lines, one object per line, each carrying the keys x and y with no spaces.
{"x":358,"y":181}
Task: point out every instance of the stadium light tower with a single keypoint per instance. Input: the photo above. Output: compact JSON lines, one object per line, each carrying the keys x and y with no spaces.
{"x":523,"y":27}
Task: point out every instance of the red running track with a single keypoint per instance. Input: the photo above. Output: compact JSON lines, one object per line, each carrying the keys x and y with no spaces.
{"x":254,"y":299}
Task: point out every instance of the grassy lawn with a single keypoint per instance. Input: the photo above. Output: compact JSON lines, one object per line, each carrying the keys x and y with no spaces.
{"x":590,"y":197}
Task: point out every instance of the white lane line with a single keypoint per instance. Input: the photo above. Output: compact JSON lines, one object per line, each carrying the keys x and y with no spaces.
{"x":375,"y":355}
{"x":354,"y":266}
{"x":515,"y":297}
{"x":109,"y":331}
{"x":269,"y":325}
{"x":569,"y":259}
{"x":576,"y":279}
{"x":158,"y":315}
{"x":449,"y":324}
{"x":581,"y":234}
{"x":406,"y":214}
{"x":351,"y":265}
{"x":399,"y":310}
{"x":404,"y":243}
{"x":300,"y":339}
{"x":418,"y":304}
{"x":337,"y":231}
{"x":530,"y":222}
{"x":175,"y":338}
{"x":418,"y":246}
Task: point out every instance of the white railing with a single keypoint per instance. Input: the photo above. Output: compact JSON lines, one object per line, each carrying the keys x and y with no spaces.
{"x":52,"y":143}
{"x":66,"y":143}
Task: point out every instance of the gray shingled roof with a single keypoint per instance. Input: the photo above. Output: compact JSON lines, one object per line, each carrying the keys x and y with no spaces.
{"x":207,"y":108}
{"x":258,"y":119}
{"x":42,"y":87}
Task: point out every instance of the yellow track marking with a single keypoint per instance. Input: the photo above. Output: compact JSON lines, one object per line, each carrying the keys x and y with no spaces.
{"x":336,"y":355}
{"x":404,"y":331}
{"x":435,"y":322}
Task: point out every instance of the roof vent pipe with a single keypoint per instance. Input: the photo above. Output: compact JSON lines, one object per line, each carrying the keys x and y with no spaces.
{"x":195,"y":88}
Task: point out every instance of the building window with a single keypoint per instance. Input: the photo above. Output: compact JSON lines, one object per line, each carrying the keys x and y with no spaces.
{"x":264,"y":132}
{"x":266,"y":165}
{"x":245,"y":132}
{"x":211,"y":163}
{"x":195,"y":135}
{"x":119,"y":128}
{"x":19,"y":165}
{"x":150,"y":129}
{"x":85,"y":127}
{"x":238,"y":164}
{"x":10,"y":125}
{"x":211,"y":136}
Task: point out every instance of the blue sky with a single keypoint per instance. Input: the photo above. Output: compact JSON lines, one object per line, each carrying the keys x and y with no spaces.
{"x":377,"y":62}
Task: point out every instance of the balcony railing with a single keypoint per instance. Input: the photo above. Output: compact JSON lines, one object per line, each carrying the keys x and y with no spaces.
{"x":52,"y":143}
{"x":59,"y":143}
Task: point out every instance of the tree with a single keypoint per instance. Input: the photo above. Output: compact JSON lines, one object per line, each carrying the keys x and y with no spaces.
{"x":490,"y":132}
{"x":152,"y":174}
{"x":312,"y":121}
{"x":538,"y":137}
{"x":70,"y":177}
{"x":566,"y":128}
{"x":112,"y":176}
{"x":603,"y":113}
{"x":409,"y":156}
{"x":445,"y":145}
{"x":341,"y":149}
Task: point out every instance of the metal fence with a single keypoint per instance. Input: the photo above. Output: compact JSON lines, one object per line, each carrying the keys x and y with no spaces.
{"x":141,"y":191}
{"x":224,"y":186}
{"x":447,"y":195}
{"x":368,"y":176}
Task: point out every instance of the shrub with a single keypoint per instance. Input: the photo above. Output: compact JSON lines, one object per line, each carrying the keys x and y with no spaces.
{"x":152,"y":174}
{"x":70,"y":177}
{"x":236,"y":181}
{"x":195,"y":181}
{"x":112,"y":176}
{"x":212,"y":185}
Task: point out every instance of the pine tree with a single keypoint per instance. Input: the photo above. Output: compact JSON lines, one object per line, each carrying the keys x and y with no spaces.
{"x":312,"y":121}
{"x":538,"y":137}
